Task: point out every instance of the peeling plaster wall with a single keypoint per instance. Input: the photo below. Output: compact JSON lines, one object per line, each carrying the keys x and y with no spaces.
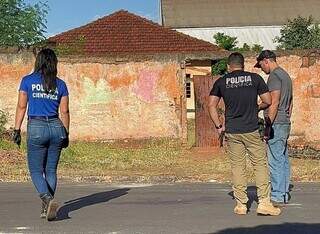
{"x":12,"y":68}
{"x":305,"y":73}
{"x":146,"y":99}
{"x":111,"y":101}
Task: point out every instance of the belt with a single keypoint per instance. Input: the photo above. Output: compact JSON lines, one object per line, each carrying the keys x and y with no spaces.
{"x":44,"y":117}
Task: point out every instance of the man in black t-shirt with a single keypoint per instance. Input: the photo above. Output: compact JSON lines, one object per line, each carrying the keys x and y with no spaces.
{"x":240,"y":90}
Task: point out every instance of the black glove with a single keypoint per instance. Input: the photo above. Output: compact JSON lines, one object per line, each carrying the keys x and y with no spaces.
{"x":65,"y":142}
{"x":267,"y":129}
{"x":262,"y":128}
{"x":221,"y":138}
{"x":16,"y":136}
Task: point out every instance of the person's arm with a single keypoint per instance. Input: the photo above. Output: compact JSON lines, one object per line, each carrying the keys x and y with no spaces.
{"x":290,"y":108}
{"x":21,"y":109}
{"x":213,"y":110}
{"x":265,"y":101}
{"x":64,"y":112}
{"x":274,"y":84}
{"x":273,"y":109}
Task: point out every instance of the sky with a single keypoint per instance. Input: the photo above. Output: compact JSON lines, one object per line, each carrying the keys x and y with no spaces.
{"x":68,"y":14}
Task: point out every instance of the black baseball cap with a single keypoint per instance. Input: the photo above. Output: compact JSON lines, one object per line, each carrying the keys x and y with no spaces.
{"x":265,"y":54}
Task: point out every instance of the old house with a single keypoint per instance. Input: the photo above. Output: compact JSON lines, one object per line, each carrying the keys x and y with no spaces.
{"x":126,"y":77}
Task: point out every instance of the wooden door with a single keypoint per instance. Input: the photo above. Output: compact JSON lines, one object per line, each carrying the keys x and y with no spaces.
{"x":205,"y":132}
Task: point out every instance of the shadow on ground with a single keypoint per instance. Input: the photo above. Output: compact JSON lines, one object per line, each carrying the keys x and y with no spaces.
{"x":92,"y":199}
{"x":253,"y":197}
{"x":288,"y":228}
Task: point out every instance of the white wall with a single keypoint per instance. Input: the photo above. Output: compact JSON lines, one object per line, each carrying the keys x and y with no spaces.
{"x":262,"y":35}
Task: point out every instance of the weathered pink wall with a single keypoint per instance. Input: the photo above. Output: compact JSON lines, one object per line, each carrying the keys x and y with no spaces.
{"x":12,"y":68}
{"x":306,"y":94}
{"x":111,"y":101}
{"x":146,"y":99}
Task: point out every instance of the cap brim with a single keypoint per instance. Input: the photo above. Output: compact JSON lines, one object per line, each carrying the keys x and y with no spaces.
{"x":257,"y":65}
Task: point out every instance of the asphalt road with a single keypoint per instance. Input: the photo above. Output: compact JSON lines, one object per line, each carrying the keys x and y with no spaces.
{"x":178,"y":208}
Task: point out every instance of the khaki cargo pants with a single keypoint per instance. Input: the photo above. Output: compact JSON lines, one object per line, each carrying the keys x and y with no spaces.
{"x":238,"y":147}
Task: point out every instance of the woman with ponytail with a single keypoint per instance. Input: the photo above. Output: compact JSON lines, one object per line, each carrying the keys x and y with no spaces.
{"x":46,"y":97}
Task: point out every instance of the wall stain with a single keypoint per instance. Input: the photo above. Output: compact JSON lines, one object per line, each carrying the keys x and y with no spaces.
{"x":169,"y":80}
{"x":146,"y":84}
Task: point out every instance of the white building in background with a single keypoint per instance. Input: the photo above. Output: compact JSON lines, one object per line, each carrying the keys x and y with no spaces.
{"x":251,"y":21}
{"x":262,"y":35}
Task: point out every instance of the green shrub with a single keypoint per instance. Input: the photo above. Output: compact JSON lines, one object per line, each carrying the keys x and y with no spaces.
{"x":299,"y":33}
{"x":219,"y":67}
{"x":224,"y":41}
{"x":257,"y":48}
{"x":229,"y":43}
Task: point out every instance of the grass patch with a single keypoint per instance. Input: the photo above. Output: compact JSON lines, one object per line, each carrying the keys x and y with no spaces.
{"x":191,"y":136}
{"x":153,"y":160}
{"x":87,"y":159}
{"x":102,"y":157}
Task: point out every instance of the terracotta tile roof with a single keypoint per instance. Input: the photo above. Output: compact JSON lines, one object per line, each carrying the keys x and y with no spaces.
{"x":124,"y":32}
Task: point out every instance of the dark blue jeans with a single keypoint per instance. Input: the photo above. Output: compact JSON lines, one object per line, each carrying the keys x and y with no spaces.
{"x":44,"y":140}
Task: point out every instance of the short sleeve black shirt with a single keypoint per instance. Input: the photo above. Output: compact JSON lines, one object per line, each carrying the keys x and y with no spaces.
{"x":240,"y":90}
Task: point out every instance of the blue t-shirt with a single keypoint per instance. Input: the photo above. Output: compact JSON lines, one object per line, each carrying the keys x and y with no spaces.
{"x":39,"y":102}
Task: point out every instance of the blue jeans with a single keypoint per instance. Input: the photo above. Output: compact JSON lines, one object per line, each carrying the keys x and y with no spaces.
{"x":44,"y":141}
{"x":279,"y":162}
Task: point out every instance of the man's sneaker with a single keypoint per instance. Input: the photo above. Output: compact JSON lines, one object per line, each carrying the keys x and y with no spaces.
{"x":43,"y":212}
{"x":267,"y":208}
{"x":278,"y":204}
{"x":240,"y":209}
{"x":52,"y":210}
{"x":287,"y":198}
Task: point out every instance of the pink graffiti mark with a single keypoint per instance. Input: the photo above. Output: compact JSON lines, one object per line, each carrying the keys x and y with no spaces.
{"x":145,"y":85}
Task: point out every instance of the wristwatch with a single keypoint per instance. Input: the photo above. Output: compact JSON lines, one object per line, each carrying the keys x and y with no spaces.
{"x":218,"y":127}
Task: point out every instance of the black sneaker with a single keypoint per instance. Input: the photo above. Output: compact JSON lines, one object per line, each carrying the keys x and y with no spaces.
{"x":278,"y":204}
{"x":45,"y":198}
{"x":43,"y":212}
{"x":287,"y":198}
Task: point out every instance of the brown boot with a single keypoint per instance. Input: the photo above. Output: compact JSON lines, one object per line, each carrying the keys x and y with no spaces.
{"x":265,"y":207}
{"x":50,"y":206}
{"x":52,"y":210}
{"x":240,"y":209}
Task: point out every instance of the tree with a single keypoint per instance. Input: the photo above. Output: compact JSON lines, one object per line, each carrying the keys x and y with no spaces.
{"x":256,"y":48}
{"x":22,"y":24}
{"x":299,"y":33}
{"x":229,"y":43}
{"x":219,"y":67}
{"x":224,"y":41}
